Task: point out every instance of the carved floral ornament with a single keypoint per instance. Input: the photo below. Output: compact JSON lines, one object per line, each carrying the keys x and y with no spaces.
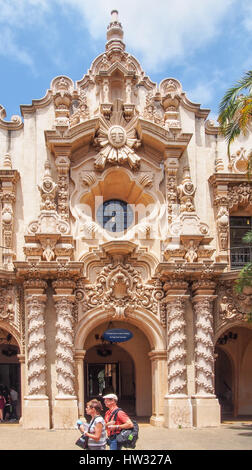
{"x":239,"y":195}
{"x":119,"y":289}
{"x":232,"y":306}
{"x":7,"y":302}
{"x":239,"y":161}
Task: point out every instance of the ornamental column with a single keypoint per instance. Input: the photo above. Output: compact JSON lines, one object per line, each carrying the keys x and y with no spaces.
{"x":159,"y":385}
{"x":79,"y":360}
{"x":177,"y":403}
{"x":36,"y":413}
{"x":206,"y":408}
{"x":65,"y":411}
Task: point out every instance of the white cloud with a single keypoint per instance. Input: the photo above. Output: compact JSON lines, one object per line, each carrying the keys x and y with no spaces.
{"x":202,"y":93}
{"x":156,"y":32}
{"x":10,"y":48}
{"x":162,"y":30}
{"x":247,"y":9}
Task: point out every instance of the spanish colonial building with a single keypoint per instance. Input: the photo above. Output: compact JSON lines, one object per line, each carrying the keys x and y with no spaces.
{"x":121,"y":225}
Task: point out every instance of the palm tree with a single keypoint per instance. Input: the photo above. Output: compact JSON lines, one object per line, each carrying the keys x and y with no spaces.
{"x":235,"y":118}
{"x":235,"y":111}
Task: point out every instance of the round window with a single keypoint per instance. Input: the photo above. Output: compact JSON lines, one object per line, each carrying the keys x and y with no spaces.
{"x":115,"y":215}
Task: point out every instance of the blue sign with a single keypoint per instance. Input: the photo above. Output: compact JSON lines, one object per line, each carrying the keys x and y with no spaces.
{"x":117,"y":335}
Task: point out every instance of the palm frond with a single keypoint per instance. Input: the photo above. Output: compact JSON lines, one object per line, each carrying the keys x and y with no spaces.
{"x":232,"y":93}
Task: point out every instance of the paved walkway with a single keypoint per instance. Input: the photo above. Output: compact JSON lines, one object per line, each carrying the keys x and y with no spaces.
{"x":231,"y":435}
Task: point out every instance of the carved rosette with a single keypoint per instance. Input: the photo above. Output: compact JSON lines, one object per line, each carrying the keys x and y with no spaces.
{"x":176,"y":346}
{"x":204,"y":347}
{"x":65,"y":345}
{"x":35,"y":305}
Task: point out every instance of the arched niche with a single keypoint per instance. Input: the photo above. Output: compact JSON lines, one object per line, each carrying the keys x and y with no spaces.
{"x":117,"y":184}
{"x":235,"y":343}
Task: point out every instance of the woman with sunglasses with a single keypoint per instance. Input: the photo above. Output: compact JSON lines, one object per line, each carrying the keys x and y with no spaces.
{"x":96,"y":432}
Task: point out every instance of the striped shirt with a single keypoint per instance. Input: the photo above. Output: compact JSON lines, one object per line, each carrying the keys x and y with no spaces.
{"x":92,"y":444}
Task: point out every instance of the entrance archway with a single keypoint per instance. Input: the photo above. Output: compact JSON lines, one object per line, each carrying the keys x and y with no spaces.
{"x":224,"y":386}
{"x":147,"y":350}
{"x":10,"y":375}
{"x":108,"y":368}
{"x":233,"y":373}
{"x":128,"y":370}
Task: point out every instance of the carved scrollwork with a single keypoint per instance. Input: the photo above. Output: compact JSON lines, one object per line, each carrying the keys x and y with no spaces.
{"x":232,"y":306}
{"x":120,"y":289}
{"x":7,"y":304}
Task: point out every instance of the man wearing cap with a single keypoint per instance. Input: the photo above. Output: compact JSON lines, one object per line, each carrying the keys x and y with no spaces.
{"x":114,"y":426}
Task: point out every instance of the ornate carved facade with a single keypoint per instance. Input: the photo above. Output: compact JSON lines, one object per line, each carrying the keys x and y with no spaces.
{"x":129,"y":228}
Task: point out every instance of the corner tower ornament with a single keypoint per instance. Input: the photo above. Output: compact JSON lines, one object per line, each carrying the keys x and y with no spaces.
{"x":118,"y":140}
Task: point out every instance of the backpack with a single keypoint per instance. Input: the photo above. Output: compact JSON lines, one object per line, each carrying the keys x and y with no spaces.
{"x":127,"y":437}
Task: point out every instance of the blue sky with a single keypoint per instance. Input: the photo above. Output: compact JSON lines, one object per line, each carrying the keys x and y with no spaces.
{"x":205,"y":44}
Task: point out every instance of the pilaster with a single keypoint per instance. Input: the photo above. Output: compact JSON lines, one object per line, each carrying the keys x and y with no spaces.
{"x":8,"y":181}
{"x":159,"y":385}
{"x":79,"y":358}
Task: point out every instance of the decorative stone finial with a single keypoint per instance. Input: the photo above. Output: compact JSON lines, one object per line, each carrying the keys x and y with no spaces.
{"x":115,"y":34}
{"x":7,"y":164}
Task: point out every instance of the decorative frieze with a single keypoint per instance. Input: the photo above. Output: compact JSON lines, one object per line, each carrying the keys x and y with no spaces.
{"x":239,"y":195}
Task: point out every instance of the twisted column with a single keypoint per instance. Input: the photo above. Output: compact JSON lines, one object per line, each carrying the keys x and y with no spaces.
{"x":36,"y":345}
{"x":36,"y":411}
{"x":204,"y":346}
{"x":65,"y":346}
{"x":36,"y":360}
{"x":64,"y":301}
{"x":177,"y":409}
{"x":176,"y":347}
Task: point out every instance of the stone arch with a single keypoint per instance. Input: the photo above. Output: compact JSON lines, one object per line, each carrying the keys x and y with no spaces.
{"x":155,"y":356}
{"x":239,"y":353}
{"x":11,"y":363}
{"x":146,"y":321}
{"x":10,"y":329}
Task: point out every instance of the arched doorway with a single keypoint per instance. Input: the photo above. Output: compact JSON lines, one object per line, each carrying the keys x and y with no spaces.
{"x":110,"y":368}
{"x":10,"y":371}
{"x":124,"y":368}
{"x":147,"y":350}
{"x":224,"y":382}
{"x":233,"y":372}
